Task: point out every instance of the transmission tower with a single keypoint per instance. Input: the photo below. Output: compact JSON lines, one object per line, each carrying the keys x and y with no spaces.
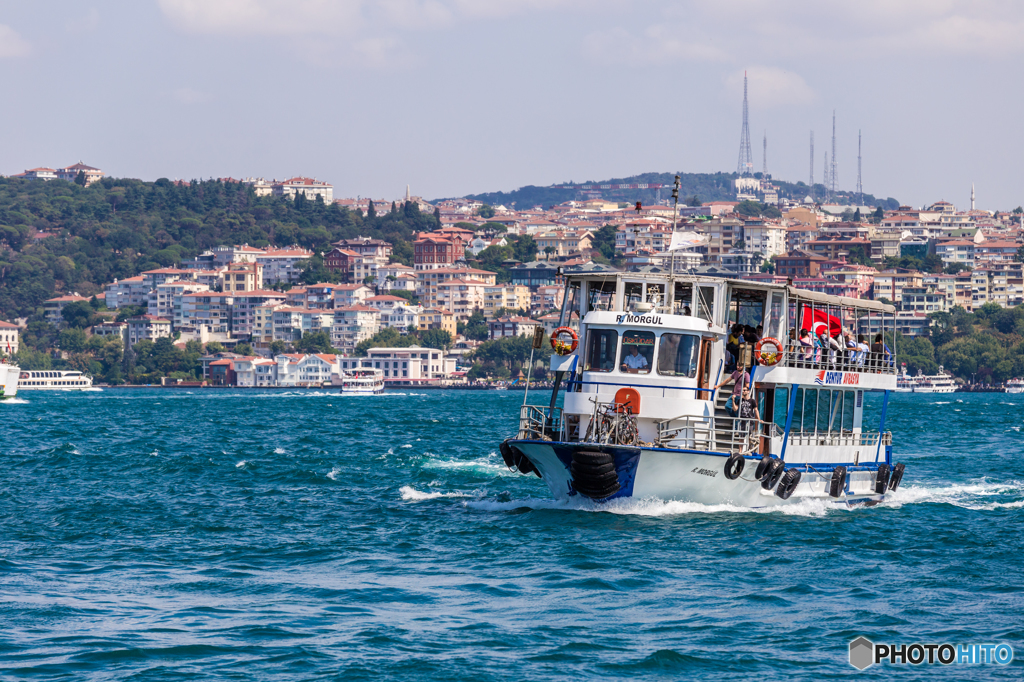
{"x":764,"y":171}
{"x":825,"y":180}
{"x":833,"y":175}
{"x":746,"y":162}
{"x":812,"y":159}
{"x":860,"y":187}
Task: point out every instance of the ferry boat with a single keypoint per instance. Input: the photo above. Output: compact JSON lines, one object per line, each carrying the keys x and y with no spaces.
{"x":645,"y":384}
{"x":1015,"y":386}
{"x":55,"y":380}
{"x":942,"y":382}
{"x":9,"y":379}
{"x":366,"y":381}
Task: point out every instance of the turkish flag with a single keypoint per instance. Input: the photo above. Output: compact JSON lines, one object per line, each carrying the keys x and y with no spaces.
{"x":820,"y":317}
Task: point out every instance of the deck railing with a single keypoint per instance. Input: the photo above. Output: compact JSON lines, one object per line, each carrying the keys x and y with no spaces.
{"x":862,"y":439}
{"x":539,"y":423}
{"x":799,"y":356}
{"x":720,"y":434}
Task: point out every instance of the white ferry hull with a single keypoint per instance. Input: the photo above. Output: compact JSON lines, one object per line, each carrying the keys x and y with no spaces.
{"x":55,"y":380}
{"x":9,"y":375}
{"x":690,"y":476}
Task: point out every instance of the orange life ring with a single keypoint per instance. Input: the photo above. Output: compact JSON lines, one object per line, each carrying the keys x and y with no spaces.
{"x":772,"y":355}
{"x":562,"y":348}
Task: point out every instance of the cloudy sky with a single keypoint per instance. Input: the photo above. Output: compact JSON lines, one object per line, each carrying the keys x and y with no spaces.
{"x":462,"y":96}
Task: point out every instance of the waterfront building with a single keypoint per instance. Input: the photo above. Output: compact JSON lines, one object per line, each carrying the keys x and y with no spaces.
{"x":411,"y":365}
{"x":9,"y":338}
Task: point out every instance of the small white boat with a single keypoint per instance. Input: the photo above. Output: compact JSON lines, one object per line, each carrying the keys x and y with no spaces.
{"x":1015,"y":386}
{"x":9,"y":379}
{"x":364,"y":381}
{"x":55,"y":380}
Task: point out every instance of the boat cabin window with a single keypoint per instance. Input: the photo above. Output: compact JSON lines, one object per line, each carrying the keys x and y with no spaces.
{"x":637,"y":352}
{"x":601,"y":347}
{"x":633,"y":293}
{"x":775,"y":319}
{"x":746,"y":307}
{"x":677,"y":355}
{"x":705,"y":303}
{"x":601,"y":295}
{"x":570,"y":304}
{"x":682,"y":299}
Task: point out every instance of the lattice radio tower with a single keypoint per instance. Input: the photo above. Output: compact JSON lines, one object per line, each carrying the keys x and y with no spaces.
{"x":860,"y":187}
{"x":812,"y":159}
{"x":833,"y":174}
{"x":746,"y":162}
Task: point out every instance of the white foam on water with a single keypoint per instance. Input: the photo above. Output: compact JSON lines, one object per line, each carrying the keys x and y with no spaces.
{"x":655,"y":507}
{"x":406,"y":446}
{"x":14,"y":401}
{"x":279,"y":451}
{"x":333,"y":474}
{"x":244,"y":463}
{"x":966,"y":496}
{"x":391,"y":451}
{"x":941,"y":403}
{"x":488,"y":466}
{"x":410,"y":494}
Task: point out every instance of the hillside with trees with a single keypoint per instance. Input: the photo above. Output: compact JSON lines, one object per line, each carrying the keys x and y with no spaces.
{"x":58,"y":237}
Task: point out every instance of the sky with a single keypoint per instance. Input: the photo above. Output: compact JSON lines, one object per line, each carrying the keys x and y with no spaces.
{"x":454,"y":97}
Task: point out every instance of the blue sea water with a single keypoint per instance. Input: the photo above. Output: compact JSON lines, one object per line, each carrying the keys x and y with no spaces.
{"x":233,"y":535}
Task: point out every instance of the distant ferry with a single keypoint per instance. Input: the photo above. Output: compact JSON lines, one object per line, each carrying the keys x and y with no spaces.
{"x":55,"y":380}
{"x":1015,"y":386}
{"x":8,"y":380}
{"x":363,"y":382}
{"x":936,"y":383}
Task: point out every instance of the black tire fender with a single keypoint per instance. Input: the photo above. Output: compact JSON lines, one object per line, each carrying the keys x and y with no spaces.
{"x":734,"y":466}
{"x":837,"y":484}
{"x":897,"y":476}
{"x":762,"y":467}
{"x":882,"y":479}
{"x":790,"y":480}
{"x":775,"y":473}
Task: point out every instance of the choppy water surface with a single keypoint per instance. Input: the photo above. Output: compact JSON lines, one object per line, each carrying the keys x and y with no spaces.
{"x":162,"y":534}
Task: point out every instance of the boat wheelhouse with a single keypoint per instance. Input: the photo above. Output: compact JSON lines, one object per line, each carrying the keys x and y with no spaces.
{"x":9,"y":379}
{"x":643,"y":415}
{"x":55,"y":380}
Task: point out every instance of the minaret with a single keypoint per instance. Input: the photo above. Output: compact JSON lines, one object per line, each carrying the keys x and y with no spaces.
{"x":407,"y":197}
{"x":972,"y":196}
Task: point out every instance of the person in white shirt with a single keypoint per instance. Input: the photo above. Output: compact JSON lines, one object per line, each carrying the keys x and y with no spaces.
{"x":634,"y":362}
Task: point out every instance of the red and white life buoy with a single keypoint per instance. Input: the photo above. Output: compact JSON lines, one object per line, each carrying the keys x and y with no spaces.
{"x":769,"y":351}
{"x":559,"y":346}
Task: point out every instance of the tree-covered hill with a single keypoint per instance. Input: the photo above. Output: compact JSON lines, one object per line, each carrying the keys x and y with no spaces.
{"x":118,"y":228}
{"x":700,"y":186}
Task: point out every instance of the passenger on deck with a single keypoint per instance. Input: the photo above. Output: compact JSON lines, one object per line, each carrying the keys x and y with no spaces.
{"x":864,"y":348}
{"x":739,"y":379}
{"x":732,"y":346}
{"x":877,"y":351}
{"x":807,"y":354}
{"x":748,"y":411}
{"x":686,"y":310}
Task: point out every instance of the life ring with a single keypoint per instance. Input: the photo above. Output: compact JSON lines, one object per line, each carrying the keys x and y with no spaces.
{"x":559,"y":346}
{"x":771,"y":355}
{"x":734,"y":466}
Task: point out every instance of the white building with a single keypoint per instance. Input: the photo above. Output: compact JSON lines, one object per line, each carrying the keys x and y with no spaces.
{"x":166,"y":300}
{"x":9,"y":338}
{"x":147,"y":328}
{"x":767,"y":239}
{"x":411,"y":365}
{"x":354,"y":324}
{"x":281,"y":265}
{"x":255,"y":371}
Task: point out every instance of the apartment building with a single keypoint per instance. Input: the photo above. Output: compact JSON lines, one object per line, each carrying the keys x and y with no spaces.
{"x":353,"y":325}
{"x":166,"y":300}
{"x":435,"y":318}
{"x":507,"y":296}
{"x":461,"y":296}
{"x":889,"y":284}
{"x":432,"y":250}
{"x":207,"y":309}
{"x":243,"y":310}
{"x":512,"y":326}
{"x":147,"y":328}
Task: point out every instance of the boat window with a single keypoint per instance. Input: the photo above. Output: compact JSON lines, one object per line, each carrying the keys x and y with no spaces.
{"x":747,"y":307}
{"x":682,"y":298}
{"x":705,"y":303}
{"x":570,"y":304}
{"x":773,"y":324}
{"x":656,"y":294}
{"x":601,"y":295}
{"x":601,"y":347}
{"x":637,"y":352}
{"x":633,"y":293}
{"x":849,"y":400}
{"x":677,"y":355}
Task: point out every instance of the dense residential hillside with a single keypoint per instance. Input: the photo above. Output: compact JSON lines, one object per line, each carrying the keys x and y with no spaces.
{"x":693,"y":187}
{"x":58,"y":237}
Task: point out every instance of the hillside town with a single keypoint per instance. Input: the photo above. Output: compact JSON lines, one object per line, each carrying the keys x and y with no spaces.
{"x":926,"y":261}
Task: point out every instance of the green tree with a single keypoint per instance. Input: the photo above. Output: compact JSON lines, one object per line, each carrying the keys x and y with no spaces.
{"x":244,"y":349}
{"x":485,"y":211}
{"x":277,"y":348}
{"x":80,"y":179}
{"x":72,"y":340}
{"x":214,"y":347}
{"x":1019,"y":256}
{"x":475,"y":327}
{"x":435,"y":338}
{"x":315,"y":342}
{"x":79,"y":314}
